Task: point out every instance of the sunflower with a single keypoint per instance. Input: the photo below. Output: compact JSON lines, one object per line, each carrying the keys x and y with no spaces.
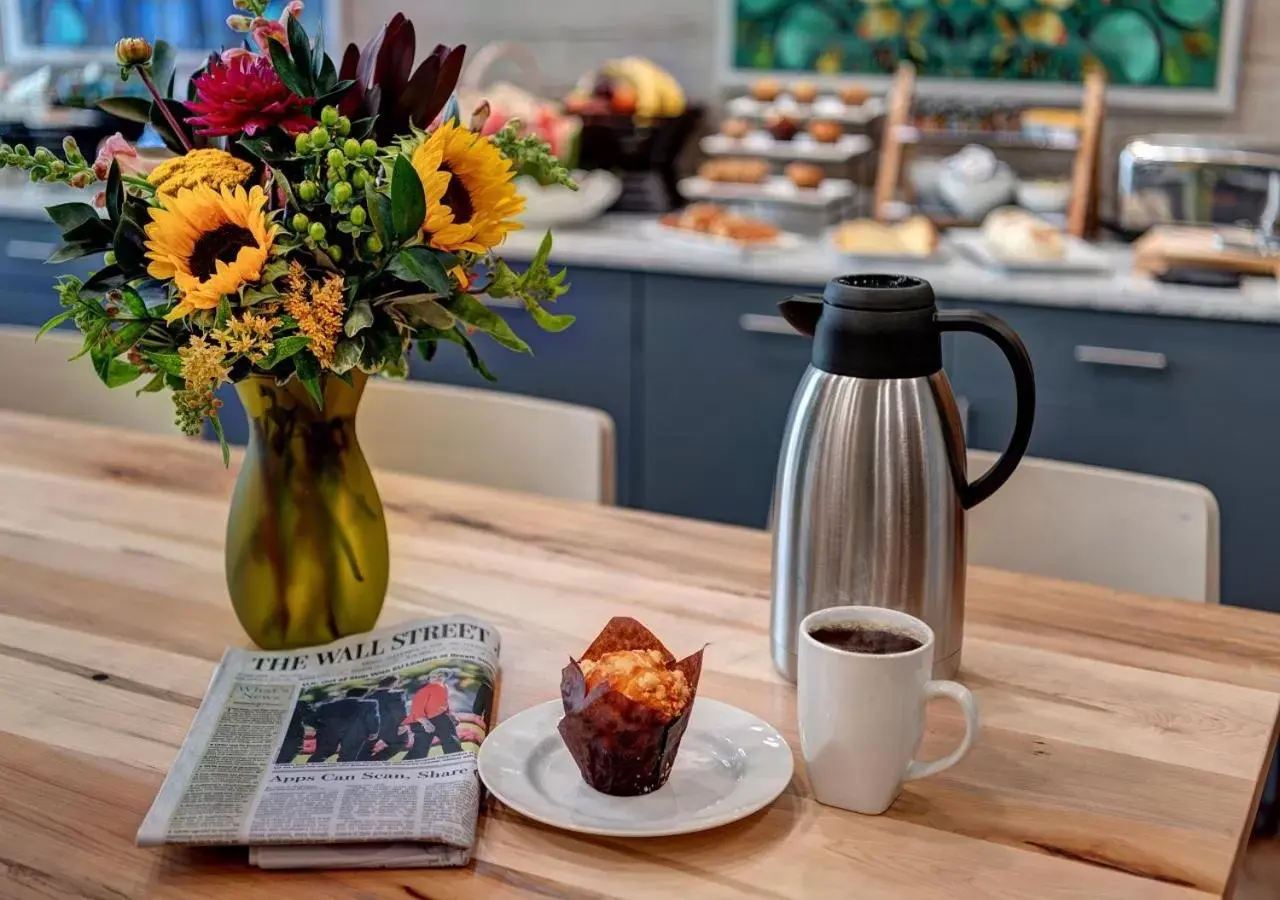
{"x":209,"y":243}
{"x":471,"y":197}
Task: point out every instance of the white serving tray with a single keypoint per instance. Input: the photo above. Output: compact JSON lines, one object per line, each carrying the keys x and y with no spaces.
{"x":1081,"y":257}
{"x":823,"y":108}
{"x":774,"y":189}
{"x":656,"y":230}
{"x":802,"y":146}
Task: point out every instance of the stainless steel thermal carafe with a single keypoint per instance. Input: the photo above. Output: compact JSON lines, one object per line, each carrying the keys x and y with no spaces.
{"x":872,"y":488}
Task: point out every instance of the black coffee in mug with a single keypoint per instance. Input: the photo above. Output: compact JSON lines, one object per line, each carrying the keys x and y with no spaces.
{"x":864,"y":638}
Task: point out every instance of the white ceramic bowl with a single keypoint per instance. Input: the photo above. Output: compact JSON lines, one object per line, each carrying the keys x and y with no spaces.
{"x":549,"y":207}
{"x":1044,"y":195}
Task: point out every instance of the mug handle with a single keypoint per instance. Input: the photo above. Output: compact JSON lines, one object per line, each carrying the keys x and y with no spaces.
{"x":969,"y":705}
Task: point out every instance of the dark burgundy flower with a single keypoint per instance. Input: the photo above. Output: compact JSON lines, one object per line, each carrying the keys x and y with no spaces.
{"x":244,"y":94}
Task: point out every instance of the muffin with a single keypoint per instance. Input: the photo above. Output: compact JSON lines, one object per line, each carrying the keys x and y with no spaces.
{"x":803,"y":91}
{"x":804,"y":175}
{"x":824,"y":131}
{"x":735,"y":128}
{"x":853,"y":94}
{"x":626,"y":706}
{"x":734,"y":170}
{"x":783,"y":128}
{"x":766,"y":90}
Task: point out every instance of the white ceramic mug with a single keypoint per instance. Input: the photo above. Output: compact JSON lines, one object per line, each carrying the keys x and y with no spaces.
{"x":862,"y":714}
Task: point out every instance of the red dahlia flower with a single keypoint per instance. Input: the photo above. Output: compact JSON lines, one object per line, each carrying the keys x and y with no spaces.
{"x":245,"y":94}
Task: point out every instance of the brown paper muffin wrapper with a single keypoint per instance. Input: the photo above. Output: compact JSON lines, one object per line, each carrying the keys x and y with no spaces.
{"x":623,"y":747}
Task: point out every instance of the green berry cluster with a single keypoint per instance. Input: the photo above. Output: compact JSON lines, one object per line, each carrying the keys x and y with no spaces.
{"x":339,"y":169}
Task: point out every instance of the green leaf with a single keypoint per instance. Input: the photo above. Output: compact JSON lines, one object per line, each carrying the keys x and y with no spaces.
{"x":133,"y":302}
{"x":334,"y":94}
{"x":408,"y":200}
{"x":130,"y":245}
{"x":97,"y":231}
{"x":113,"y":372}
{"x":131,"y":109}
{"x":275,"y":270}
{"x":380,"y":213}
{"x":122,"y":341}
{"x":104,"y":278}
{"x":167,"y":363}
{"x":285,"y":348}
{"x":397,"y":367}
{"x":164,"y":67}
{"x":154,"y":386}
{"x":359,"y":318}
{"x":68,"y":252}
{"x":421,"y":265}
{"x":308,"y":368}
{"x":69,"y":216}
{"x":300,"y":50}
{"x":424,"y":309}
{"x":547,"y":321}
{"x":224,"y":313}
{"x":347,"y":356}
{"x":319,"y":55}
{"x":287,"y":71}
{"x":471,"y":311}
{"x":55,"y":322}
{"x":216,"y":424}
{"x":459,"y":337}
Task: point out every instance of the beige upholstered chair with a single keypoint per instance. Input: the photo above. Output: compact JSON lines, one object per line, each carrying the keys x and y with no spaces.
{"x":1104,"y":526}
{"x":489,"y":438}
{"x":36,"y":377}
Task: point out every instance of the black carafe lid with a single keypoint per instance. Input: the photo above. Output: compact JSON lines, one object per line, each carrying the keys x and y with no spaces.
{"x":871,"y":326}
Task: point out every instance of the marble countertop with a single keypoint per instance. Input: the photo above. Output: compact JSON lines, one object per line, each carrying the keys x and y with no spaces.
{"x":631,"y":243}
{"x":627,"y":242}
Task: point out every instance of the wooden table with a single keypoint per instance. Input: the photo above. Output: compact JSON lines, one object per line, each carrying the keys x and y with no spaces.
{"x":1123,"y":741}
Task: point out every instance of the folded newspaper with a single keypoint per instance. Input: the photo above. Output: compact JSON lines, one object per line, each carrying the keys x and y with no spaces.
{"x":358,"y":754}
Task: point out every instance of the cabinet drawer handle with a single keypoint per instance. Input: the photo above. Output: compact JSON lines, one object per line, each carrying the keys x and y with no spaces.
{"x":766,"y":324}
{"x":37,"y":250}
{"x":1125,"y":359}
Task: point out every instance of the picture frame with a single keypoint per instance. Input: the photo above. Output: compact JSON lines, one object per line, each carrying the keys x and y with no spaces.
{"x":1220,"y":99}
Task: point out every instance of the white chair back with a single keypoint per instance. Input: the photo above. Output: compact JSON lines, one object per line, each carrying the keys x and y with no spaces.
{"x":1104,"y":526}
{"x":494,"y":439}
{"x":36,"y":377}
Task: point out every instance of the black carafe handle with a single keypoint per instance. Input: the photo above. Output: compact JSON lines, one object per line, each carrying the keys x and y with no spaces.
{"x":1024,"y":380}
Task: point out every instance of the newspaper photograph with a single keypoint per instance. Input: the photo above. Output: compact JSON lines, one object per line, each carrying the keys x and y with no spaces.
{"x":358,"y":753}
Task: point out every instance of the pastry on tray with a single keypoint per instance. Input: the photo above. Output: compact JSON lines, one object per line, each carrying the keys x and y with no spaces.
{"x":803,"y":91}
{"x":853,"y":94}
{"x":1015,"y":234}
{"x":916,"y":236}
{"x":824,"y":131}
{"x":805,"y":175}
{"x":627,"y":702}
{"x":783,"y":128}
{"x":735,"y":128}
{"x":765,"y":90}
{"x":709,"y":218}
{"x":734,"y":170}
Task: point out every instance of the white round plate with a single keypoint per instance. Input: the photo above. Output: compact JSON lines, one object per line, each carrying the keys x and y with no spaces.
{"x":730,"y":765}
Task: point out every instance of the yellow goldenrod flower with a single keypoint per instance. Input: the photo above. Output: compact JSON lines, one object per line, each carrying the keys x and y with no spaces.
{"x":318,"y":307}
{"x":204,"y":365}
{"x":200,"y":168}
{"x":209,"y":243}
{"x":471,"y":195}
{"x":248,"y":335}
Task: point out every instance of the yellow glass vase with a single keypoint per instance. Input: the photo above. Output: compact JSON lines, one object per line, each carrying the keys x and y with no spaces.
{"x":307,"y":556}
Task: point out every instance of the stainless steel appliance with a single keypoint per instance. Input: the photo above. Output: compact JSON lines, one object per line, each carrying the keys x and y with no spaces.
{"x":1195,"y":180}
{"x":872,"y":489}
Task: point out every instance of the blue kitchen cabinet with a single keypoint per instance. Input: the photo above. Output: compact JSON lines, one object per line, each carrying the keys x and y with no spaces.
{"x":588,"y":364}
{"x":1182,"y":398}
{"x":718,"y":369}
{"x":28,"y":297}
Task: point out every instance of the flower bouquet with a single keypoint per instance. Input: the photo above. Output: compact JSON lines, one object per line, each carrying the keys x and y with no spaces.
{"x":319,"y":223}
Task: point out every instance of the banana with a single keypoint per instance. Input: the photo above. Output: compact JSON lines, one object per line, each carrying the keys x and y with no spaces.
{"x":648,"y":89}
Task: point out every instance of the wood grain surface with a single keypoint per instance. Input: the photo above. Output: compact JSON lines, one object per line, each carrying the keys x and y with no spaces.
{"x":1122,"y":746}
